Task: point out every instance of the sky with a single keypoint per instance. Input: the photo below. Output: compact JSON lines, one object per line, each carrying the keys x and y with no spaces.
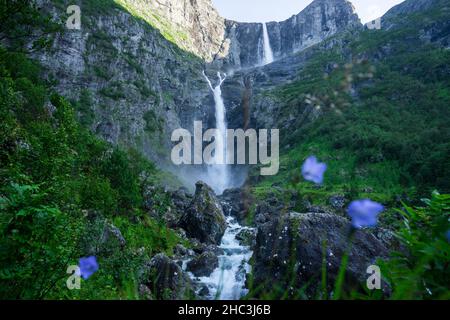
{"x":279,"y":10}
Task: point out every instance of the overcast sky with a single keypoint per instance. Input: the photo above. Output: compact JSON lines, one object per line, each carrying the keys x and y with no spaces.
{"x":279,"y":10}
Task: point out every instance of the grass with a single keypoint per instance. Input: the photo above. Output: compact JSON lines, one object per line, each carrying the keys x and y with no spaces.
{"x":169,"y":31}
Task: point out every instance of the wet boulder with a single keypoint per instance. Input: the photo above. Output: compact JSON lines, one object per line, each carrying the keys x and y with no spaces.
{"x":204,"y":264}
{"x":297,"y":243}
{"x":236,"y":202}
{"x":174,"y":203}
{"x":203,"y":291}
{"x":166,"y":278}
{"x":204,"y":219}
{"x":199,"y":247}
{"x":246,"y":237}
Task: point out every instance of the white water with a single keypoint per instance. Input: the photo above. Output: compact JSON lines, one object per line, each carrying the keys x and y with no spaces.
{"x":227,"y":282}
{"x":268,"y":53}
{"x":218,"y":174}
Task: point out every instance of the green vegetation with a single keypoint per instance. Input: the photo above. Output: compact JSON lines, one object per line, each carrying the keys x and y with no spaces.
{"x":101,"y":41}
{"x":60,"y":187}
{"x":153,"y":123}
{"x":377,"y":113}
{"x":24,"y":27}
{"x":145,"y":90}
{"x":381,"y":127}
{"x":83,"y":107}
{"x":422,"y":272}
{"x":131,"y":60}
{"x":174,"y":34}
{"x":114,"y":91}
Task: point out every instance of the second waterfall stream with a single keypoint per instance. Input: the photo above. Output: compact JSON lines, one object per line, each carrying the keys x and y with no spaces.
{"x":268,"y":53}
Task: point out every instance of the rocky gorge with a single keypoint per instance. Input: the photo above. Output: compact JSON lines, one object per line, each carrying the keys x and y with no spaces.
{"x":138,"y":70}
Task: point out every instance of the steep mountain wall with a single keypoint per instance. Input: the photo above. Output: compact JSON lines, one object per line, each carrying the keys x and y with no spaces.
{"x":134,"y":70}
{"x":318,"y":21}
{"x":128,"y":83}
{"x":194,"y":25}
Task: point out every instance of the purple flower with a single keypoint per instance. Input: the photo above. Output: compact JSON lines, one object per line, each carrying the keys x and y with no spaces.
{"x":88,"y":266}
{"x":313,"y":170}
{"x":364,"y":213}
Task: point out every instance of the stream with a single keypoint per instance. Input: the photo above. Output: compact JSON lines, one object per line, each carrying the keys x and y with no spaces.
{"x":227,"y":282}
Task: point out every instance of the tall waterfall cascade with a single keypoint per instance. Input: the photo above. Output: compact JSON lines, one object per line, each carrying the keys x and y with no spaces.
{"x":268,"y":53}
{"x":218,"y":176}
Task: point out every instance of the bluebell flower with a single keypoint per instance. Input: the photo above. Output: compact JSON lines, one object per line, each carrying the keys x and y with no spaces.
{"x":313,"y":170}
{"x":88,"y":266}
{"x":448,"y":235}
{"x":364,"y":213}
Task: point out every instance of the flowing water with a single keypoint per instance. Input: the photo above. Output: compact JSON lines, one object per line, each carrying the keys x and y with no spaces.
{"x":227,"y":282}
{"x":218,"y":174}
{"x":268,"y":54}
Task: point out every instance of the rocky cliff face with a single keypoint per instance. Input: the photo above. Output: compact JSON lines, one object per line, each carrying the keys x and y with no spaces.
{"x":197,"y":27}
{"x":321,"y":19}
{"x":194,"y":25}
{"x":128,"y":83}
{"x":436,"y":33}
{"x":268,"y":109}
{"x":133,"y":71}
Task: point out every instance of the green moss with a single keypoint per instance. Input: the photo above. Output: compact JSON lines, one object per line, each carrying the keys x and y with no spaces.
{"x":153,"y":123}
{"x":131,"y":60}
{"x":102,"y":72}
{"x":84,"y":107}
{"x":145,"y":90}
{"x":168,"y":30}
{"x":115,"y":91}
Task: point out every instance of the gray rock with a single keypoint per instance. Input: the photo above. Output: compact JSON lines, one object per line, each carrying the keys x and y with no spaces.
{"x":111,"y":232}
{"x":199,"y":247}
{"x":145,"y":292}
{"x":204,"y":291}
{"x":247,"y":237}
{"x":198,"y":20}
{"x":319,"y":20}
{"x":168,"y":280}
{"x":102,"y":238}
{"x":301,"y":237}
{"x":337,"y":201}
{"x":204,"y":219}
{"x":181,"y":251}
{"x":204,"y":264}
{"x":236,"y":202}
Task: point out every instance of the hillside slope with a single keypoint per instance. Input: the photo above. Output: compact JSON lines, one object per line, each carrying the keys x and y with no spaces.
{"x":372,"y":103}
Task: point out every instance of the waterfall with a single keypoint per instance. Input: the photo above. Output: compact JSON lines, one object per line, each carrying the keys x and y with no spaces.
{"x":218,"y":175}
{"x":268,"y":54}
